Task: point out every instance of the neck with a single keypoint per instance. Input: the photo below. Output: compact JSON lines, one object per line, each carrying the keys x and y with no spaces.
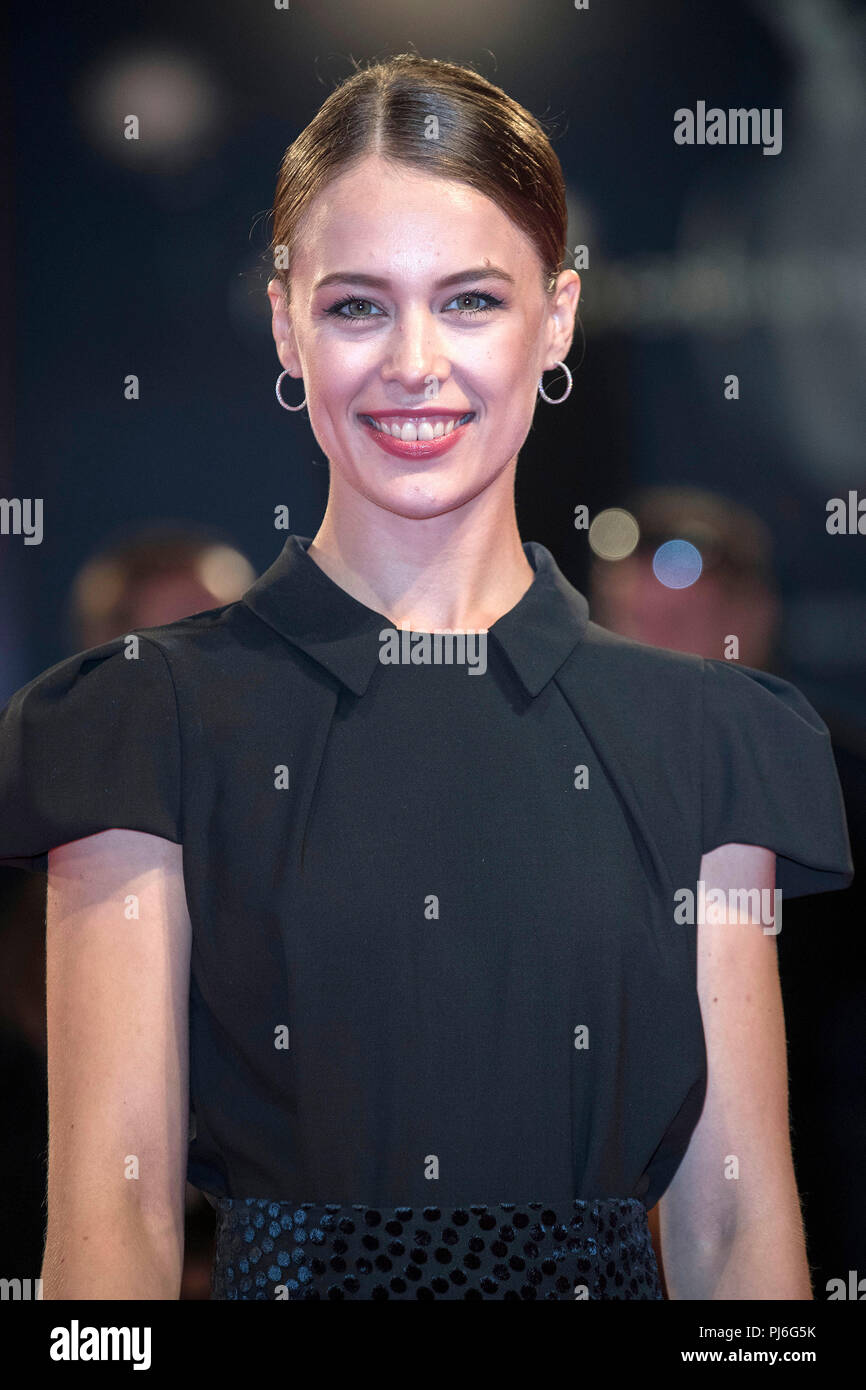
{"x":453,"y":572}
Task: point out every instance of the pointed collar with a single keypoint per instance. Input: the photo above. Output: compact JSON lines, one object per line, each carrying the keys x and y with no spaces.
{"x":300,"y":601}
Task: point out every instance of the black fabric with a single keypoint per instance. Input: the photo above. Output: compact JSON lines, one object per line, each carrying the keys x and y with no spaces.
{"x":90,"y":744}
{"x":275,"y":1251}
{"x":431,"y":907}
{"x":778,"y":748}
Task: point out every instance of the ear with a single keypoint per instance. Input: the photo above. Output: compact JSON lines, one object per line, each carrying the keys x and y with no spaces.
{"x":281,"y":327}
{"x":561,"y":315}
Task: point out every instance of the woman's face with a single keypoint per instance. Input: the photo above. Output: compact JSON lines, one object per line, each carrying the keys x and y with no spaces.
{"x":415,"y":303}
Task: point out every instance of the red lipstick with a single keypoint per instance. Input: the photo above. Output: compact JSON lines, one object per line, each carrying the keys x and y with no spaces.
{"x":416,"y":448}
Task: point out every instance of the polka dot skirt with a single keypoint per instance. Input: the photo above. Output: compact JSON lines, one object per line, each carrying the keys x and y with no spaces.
{"x":293,"y":1251}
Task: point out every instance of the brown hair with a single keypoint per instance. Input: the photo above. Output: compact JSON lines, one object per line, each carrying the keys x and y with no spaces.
{"x":484,"y":138}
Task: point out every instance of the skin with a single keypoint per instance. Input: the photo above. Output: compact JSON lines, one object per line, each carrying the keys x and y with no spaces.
{"x":726,"y":1237}
{"x":433,"y":544}
{"x":117,"y":1017}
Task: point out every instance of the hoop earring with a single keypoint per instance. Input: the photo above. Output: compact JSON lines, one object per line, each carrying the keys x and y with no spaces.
{"x":280,"y":399}
{"x":564,"y":397}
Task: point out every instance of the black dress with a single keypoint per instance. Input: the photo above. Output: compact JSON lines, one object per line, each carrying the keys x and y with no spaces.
{"x":445,"y":1040}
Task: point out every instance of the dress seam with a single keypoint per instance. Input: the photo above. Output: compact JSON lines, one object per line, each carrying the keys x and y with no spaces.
{"x":179,"y":819}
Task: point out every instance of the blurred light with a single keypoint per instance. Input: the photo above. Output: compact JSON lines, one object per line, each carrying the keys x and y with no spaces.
{"x":99,"y":587}
{"x":677,"y":564}
{"x":719,"y":293}
{"x":583,"y":227}
{"x":175,"y":101}
{"x":613,"y":534}
{"x":225,"y":572}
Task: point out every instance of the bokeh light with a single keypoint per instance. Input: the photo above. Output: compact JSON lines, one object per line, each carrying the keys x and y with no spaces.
{"x":677,"y":564}
{"x":174,"y":98}
{"x":613,"y":534}
{"x":225,"y":572}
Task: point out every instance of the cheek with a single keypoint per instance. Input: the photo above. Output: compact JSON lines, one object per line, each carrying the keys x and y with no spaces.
{"x":336,"y":368}
{"x":506,"y":367}
{"x":333,"y":381}
{"x":513,"y":393}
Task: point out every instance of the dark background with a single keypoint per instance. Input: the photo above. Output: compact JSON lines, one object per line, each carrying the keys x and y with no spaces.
{"x":147,"y":257}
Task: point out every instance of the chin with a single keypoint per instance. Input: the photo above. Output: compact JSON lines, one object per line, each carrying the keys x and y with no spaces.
{"x":421,"y":497}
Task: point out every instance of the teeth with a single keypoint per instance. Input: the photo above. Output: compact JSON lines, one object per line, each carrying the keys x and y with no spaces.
{"x":410,"y":430}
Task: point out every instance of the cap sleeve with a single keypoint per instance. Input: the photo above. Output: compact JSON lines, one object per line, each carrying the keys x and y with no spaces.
{"x":769,"y":778}
{"x":91,"y":744}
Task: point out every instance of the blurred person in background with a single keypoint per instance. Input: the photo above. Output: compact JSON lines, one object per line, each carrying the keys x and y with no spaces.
{"x":152,"y":575}
{"x":159,"y":573}
{"x":736,"y":592}
{"x":736,"y":595}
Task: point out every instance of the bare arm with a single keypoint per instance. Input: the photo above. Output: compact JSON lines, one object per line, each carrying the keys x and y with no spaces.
{"x":724,"y":1236}
{"x":117,"y":997}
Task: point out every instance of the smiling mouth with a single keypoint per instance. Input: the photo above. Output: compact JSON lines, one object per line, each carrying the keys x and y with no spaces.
{"x":418,"y":428}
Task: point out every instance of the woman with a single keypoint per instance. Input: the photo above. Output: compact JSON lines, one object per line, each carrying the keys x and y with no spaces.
{"x":402,"y":937}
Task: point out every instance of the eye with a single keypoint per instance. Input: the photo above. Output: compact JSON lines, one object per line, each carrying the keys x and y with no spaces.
{"x":492,"y":303}
{"x":337,"y":309}
{"x":352,"y":304}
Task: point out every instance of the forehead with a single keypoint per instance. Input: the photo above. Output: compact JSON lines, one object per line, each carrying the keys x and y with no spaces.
{"x":399,"y":221}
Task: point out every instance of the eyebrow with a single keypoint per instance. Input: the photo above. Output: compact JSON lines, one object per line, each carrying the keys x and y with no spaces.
{"x":460,"y":277}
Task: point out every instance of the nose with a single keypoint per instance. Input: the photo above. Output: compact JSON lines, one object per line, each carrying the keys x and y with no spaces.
{"x":414,"y":357}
